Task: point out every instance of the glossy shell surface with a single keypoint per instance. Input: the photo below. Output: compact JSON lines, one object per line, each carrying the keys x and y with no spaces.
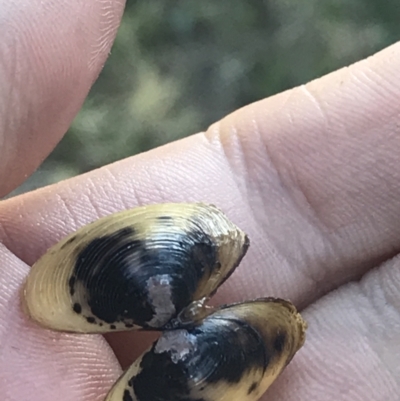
{"x":137,"y":268}
{"x":155,"y":267}
{"x":234,"y":354}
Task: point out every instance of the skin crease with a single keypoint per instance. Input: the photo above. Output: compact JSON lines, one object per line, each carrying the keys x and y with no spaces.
{"x":312,"y":175}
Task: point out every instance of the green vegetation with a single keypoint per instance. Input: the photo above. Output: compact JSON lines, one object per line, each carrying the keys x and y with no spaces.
{"x":177,"y":66}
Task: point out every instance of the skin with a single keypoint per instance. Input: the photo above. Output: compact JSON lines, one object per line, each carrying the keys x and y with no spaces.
{"x":311,"y":174}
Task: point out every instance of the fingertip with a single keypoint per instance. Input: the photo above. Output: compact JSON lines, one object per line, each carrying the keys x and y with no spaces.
{"x":55,"y":53}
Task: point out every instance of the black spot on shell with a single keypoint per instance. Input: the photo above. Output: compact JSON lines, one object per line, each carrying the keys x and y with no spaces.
{"x":279,"y":342}
{"x":226,"y":352}
{"x":69,"y":242}
{"x":115,"y":270}
{"x":77,"y":308}
{"x":164,"y":218}
{"x":104,"y":268}
{"x":127,"y":396}
{"x":219,"y":353}
{"x":91,"y":319}
{"x":71,"y":284}
{"x":128,"y":325}
{"x":160,"y":379}
{"x":112,"y":327}
{"x":253,"y":387}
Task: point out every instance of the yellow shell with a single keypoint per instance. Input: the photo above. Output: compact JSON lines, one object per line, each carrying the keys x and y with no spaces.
{"x":154,"y":267}
{"x":136,"y":268}
{"x":234,"y":354}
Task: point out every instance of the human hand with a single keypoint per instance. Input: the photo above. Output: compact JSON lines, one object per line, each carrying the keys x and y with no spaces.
{"x":311,"y":175}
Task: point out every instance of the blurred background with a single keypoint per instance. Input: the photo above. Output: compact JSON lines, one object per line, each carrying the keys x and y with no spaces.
{"x":179,"y":65}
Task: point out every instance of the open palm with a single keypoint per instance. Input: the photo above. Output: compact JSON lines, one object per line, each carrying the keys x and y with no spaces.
{"x":312,"y":175}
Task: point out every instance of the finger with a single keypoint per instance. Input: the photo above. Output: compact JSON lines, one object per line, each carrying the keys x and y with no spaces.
{"x":352,"y":348}
{"x":40,"y":365}
{"x":50,"y":52}
{"x":300,"y":248}
{"x":281,"y":203}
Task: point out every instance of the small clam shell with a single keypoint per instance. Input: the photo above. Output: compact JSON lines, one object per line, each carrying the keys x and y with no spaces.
{"x":137,"y":268}
{"x":234,"y":354}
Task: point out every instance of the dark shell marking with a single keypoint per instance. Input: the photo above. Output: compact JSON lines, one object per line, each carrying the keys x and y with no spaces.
{"x":135,"y":269}
{"x":279,"y":342}
{"x":127,"y":264}
{"x":252,"y":388}
{"x":201,"y":354}
{"x":236,"y":349}
{"x":155,"y":268}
